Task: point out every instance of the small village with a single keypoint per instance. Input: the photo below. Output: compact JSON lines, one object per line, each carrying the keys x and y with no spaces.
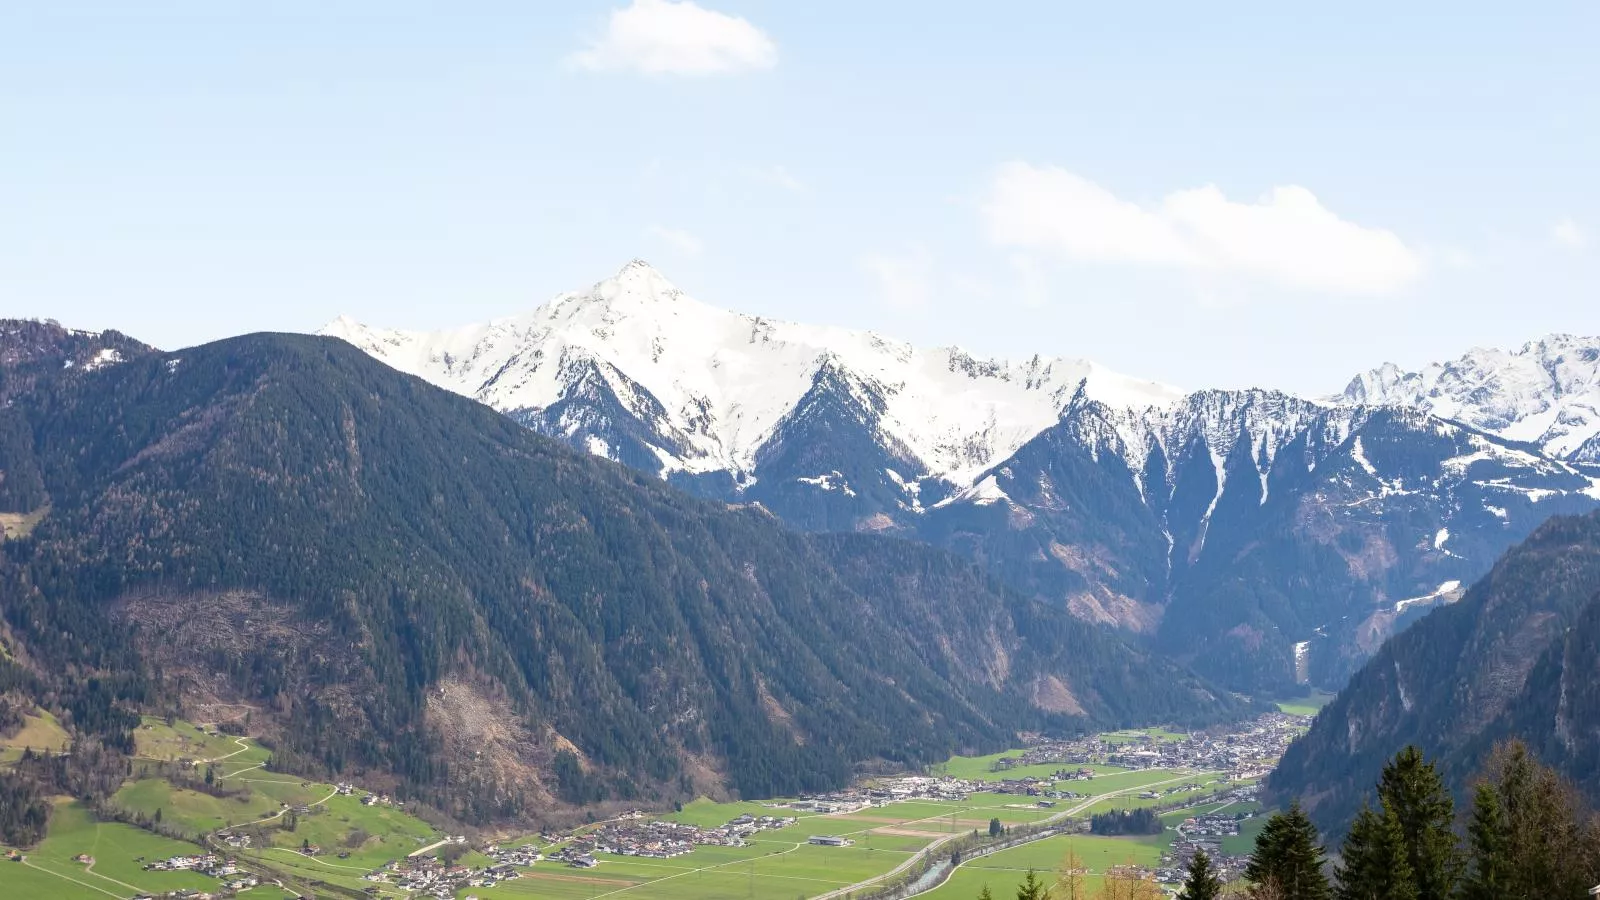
{"x":1250,"y":751}
{"x":1204,"y":833}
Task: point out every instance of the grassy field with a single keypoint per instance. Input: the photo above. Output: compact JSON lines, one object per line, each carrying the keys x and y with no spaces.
{"x":709,"y":814}
{"x":1137,"y":735}
{"x":372,"y":835}
{"x":780,"y":865}
{"x":369,"y":836}
{"x":41,"y":732}
{"x":980,"y":768}
{"x":192,"y":810}
{"x":155,"y":739}
{"x":119,"y":852}
{"x":1002,"y":871}
{"x":1306,"y":706}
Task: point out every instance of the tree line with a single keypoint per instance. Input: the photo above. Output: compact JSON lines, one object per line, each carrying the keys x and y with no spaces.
{"x":1527,"y":836}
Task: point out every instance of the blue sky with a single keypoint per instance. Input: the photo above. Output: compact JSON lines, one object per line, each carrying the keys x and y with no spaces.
{"x":1207,"y":194}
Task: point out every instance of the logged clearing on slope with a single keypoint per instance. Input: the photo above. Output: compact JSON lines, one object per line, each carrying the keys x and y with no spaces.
{"x":20,"y":525}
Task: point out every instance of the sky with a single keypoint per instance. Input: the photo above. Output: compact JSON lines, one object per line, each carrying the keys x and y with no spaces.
{"x":1211,"y":195}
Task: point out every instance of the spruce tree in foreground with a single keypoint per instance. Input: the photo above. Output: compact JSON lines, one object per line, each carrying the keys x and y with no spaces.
{"x":1374,"y":865}
{"x":1032,"y":888}
{"x":984,"y":894}
{"x":1202,"y":882}
{"x":1413,"y":793}
{"x":1288,"y":861}
{"x":1489,"y":876}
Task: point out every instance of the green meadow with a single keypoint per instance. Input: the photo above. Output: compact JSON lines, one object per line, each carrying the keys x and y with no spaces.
{"x":1309,"y":705}
{"x":119,"y":851}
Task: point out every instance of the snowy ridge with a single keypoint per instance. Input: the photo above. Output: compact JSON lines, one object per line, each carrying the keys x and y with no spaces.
{"x":1547,"y":393}
{"x":1257,"y":422}
{"x":719,"y":383}
{"x":635,"y":369}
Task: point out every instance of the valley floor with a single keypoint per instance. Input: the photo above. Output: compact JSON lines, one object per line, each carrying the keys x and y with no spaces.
{"x":356,"y":834}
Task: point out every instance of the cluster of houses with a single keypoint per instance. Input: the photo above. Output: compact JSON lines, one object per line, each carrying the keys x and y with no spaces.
{"x":525,"y":855}
{"x":227,"y":871}
{"x":206,"y":864}
{"x":1211,"y":825}
{"x":923,"y":787}
{"x":429,"y":876}
{"x":886,"y":790}
{"x":665,"y":840}
{"x":576,"y":855}
{"x":1243,"y":752}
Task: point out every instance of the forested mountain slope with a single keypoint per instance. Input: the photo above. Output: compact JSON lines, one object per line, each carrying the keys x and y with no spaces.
{"x":394,"y":578}
{"x":1514,"y":658}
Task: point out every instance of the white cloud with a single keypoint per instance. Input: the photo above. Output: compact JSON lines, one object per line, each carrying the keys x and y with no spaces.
{"x":678,"y":239}
{"x":663,"y":37}
{"x":904,"y":280}
{"x":1566,"y":233}
{"x":1286,"y":237}
{"x":777,"y":176}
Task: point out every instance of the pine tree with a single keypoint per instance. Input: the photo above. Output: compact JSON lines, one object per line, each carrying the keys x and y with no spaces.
{"x":1202,"y":882}
{"x":1288,"y":859}
{"x":984,"y":894}
{"x":1412,"y":790}
{"x":1489,"y":875}
{"x":1549,"y":843}
{"x":1374,"y":860}
{"x":1032,"y":888}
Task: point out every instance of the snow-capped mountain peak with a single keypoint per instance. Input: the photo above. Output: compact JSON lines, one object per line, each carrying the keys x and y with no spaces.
{"x":1241,"y":525}
{"x":715,"y":385}
{"x":1547,"y":392}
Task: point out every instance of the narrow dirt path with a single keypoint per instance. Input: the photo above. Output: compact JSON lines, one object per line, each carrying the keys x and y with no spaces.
{"x":74,"y":880}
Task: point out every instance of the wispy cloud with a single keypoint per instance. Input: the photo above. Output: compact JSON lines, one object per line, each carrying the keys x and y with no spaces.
{"x":676,"y":238}
{"x":904,"y":279}
{"x":1287,"y":237}
{"x":663,"y":37}
{"x":1566,"y":233}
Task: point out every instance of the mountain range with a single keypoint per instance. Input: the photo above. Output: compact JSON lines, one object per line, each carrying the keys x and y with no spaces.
{"x":1264,"y":538}
{"x":393,"y":581}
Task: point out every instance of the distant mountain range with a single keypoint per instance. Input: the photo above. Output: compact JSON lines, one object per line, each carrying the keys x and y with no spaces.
{"x":1518,"y":656}
{"x":1266,"y":538}
{"x":398,"y":582}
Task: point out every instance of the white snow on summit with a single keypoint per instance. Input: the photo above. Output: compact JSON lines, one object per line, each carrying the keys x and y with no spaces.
{"x":727,"y":380}
{"x":1545,"y":393}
